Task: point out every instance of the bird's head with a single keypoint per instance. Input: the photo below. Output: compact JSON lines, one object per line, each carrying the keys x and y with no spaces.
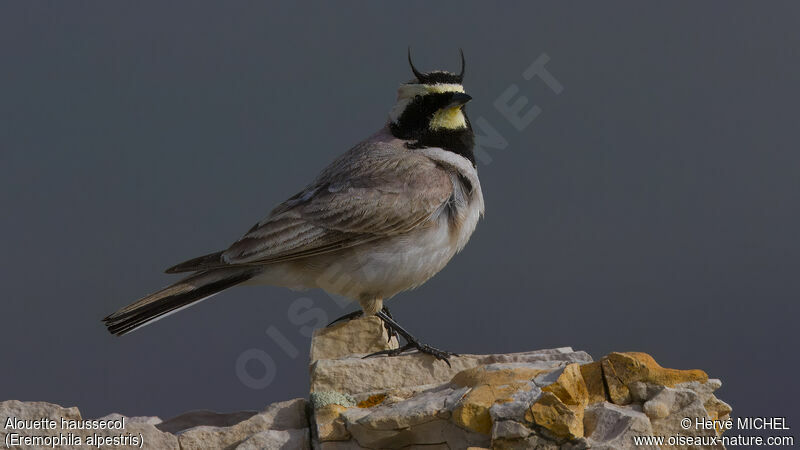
{"x":430,"y":111}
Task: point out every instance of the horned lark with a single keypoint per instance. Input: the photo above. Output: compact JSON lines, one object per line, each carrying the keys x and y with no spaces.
{"x":383,"y":218}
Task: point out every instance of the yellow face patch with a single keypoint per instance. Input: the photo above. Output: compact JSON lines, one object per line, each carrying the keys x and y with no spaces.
{"x":448,"y":118}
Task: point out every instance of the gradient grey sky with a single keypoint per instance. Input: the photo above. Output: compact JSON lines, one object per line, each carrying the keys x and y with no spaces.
{"x":651,"y":206}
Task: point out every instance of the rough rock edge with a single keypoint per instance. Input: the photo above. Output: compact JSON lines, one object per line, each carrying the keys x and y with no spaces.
{"x":561,"y":400}
{"x":553,"y":398}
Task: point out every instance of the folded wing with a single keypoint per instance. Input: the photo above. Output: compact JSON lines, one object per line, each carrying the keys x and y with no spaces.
{"x":360,"y":198}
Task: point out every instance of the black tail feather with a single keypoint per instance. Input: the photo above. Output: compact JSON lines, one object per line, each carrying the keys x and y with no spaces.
{"x":179,"y":295}
{"x":204,"y":262}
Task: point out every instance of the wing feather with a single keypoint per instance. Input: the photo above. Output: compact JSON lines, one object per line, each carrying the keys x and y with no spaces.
{"x":362,"y":197}
{"x":377,"y":189}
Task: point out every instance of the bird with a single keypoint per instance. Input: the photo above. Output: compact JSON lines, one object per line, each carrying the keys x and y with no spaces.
{"x":382,"y":218}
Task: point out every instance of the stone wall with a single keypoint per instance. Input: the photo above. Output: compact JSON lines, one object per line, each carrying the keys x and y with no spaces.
{"x":556,"y":398}
{"x":543,"y":399}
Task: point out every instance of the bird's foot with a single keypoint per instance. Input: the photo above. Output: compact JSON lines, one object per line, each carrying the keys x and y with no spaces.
{"x":412,"y":342}
{"x":420,"y":347}
{"x":356,"y":314}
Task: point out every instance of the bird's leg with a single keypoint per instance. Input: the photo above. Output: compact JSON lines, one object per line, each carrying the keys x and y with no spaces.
{"x":348,"y":316}
{"x":389,"y":330}
{"x":412,"y":342}
{"x":356,"y":314}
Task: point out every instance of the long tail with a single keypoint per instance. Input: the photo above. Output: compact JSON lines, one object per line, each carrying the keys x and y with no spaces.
{"x":171,"y":299}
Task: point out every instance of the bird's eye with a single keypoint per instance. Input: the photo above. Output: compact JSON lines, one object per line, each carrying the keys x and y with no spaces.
{"x":417,"y":97}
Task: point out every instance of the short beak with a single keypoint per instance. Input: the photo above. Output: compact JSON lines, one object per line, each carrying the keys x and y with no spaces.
{"x":458,"y":99}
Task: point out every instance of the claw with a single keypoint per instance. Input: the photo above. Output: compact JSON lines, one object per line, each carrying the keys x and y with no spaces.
{"x":348,"y":316}
{"x":422,"y":348}
{"x":390,"y":352}
{"x":394,"y":330}
{"x":392,"y":334}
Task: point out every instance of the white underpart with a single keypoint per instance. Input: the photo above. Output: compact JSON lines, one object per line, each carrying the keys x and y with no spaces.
{"x":407,"y":92}
{"x":475,"y":206}
{"x":383,"y":268}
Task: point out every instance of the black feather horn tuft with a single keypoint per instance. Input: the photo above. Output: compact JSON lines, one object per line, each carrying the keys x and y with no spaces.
{"x":463,"y":66}
{"x":417,"y":73}
{"x":437,"y":76}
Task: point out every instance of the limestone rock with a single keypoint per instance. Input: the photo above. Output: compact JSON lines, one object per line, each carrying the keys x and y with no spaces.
{"x":277,"y":439}
{"x":509,"y":430}
{"x":142,"y":427}
{"x":517,"y":407}
{"x":532,"y":442}
{"x":358,"y":336}
{"x":642,"y":392}
{"x":544,"y":399}
{"x":151,"y":436}
{"x":595,"y":385}
{"x":552,"y":414}
{"x":146,"y":426}
{"x":329,"y":423}
{"x":433,"y":432}
{"x":356,"y":375}
{"x":149,"y":420}
{"x":716,"y":408}
{"x":678,"y":403}
{"x":569,"y":387}
{"x":489,"y":385}
{"x":613,"y":427}
{"x":338,"y":445}
{"x":622,"y":369}
{"x":419,"y":409}
{"x":197,"y":418}
{"x":414,"y":399}
{"x":36,"y":410}
{"x":282,"y":416}
{"x":13,"y":410}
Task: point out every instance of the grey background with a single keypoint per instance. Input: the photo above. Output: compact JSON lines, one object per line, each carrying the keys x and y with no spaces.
{"x":651,"y":206}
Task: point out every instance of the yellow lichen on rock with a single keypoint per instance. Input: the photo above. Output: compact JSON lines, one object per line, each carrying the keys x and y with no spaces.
{"x":488,"y":386}
{"x":372,"y":400}
{"x":622,"y":369}
{"x":717,"y":410}
{"x":553,"y":398}
{"x":551,"y":413}
{"x":477,"y":376}
{"x":618,"y":392}
{"x":329,"y":423}
{"x":570,"y":387}
{"x":595,"y":386}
